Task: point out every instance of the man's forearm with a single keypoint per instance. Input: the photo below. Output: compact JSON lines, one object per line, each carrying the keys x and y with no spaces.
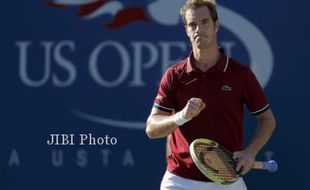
{"x":265,"y":127}
{"x":159,"y":126}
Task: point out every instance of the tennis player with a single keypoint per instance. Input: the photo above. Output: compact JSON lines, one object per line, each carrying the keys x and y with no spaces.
{"x":203,"y":96}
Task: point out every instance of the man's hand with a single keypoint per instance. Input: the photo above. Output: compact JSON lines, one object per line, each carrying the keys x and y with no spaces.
{"x":245,"y":161}
{"x":193,"y":108}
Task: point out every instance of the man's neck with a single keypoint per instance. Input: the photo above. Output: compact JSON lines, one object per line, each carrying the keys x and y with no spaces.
{"x":206,"y":58}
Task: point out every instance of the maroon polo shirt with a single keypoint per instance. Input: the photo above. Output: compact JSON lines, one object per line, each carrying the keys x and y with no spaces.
{"x":225,"y":88}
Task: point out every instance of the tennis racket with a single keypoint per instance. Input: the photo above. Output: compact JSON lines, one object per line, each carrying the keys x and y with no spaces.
{"x":218,"y":164}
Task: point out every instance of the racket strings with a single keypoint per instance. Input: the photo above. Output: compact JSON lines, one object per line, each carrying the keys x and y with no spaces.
{"x":216,"y":162}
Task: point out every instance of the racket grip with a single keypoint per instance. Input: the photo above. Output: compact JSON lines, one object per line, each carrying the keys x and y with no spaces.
{"x":271,"y":165}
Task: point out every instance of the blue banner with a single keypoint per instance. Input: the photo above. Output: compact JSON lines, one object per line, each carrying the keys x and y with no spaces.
{"x":79,"y":78}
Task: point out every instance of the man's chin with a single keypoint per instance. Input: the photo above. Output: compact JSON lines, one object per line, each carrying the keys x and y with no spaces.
{"x":201,"y":46}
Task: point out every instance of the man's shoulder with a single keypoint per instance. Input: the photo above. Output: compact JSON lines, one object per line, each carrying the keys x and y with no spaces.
{"x":237,"y":66}
{"x":178,"y":67}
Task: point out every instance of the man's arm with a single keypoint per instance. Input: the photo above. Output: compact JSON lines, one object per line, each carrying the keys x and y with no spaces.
{"x":265,"y":126}
{"x":161,"y":124}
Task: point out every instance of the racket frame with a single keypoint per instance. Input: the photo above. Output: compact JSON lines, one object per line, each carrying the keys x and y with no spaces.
{"x":204,"y":169}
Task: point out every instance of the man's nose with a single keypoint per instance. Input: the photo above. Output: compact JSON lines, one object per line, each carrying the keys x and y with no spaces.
{"x":198,"y":28}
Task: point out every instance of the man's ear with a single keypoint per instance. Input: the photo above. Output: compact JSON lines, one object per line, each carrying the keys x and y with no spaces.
{"x":217,"y":26}
{"x":186,"y":31}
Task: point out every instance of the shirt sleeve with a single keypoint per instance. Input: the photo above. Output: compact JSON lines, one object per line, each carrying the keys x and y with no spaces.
{"x":165,"y":100}
{"x":255,"y":98}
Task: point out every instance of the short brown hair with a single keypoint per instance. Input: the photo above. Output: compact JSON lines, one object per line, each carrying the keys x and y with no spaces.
{"x":194,"y":4}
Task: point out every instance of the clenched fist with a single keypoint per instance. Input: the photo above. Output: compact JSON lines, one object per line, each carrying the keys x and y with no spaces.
{"x":193,"y":108}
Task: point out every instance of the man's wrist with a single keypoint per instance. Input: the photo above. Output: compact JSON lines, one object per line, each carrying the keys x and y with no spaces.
{"x":179,"y":119}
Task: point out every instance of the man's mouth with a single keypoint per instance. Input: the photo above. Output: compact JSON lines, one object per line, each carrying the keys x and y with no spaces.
{"x":199,"y":36}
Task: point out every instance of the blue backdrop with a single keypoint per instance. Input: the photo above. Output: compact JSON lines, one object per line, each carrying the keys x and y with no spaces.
{"x":93,"y":67}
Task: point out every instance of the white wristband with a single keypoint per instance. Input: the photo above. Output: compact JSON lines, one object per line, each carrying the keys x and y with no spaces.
{"x":179,"y":119}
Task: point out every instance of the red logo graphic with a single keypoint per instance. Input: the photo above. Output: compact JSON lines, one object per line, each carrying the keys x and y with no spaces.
{"x":159,"y":11}
{"x":89,"y":9}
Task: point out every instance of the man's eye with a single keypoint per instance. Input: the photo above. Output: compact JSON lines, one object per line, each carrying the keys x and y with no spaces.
{"x":192,"y":25}
{"x":205,"y":22}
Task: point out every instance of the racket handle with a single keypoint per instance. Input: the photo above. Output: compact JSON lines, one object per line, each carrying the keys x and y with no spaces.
{"x":271,"y":165}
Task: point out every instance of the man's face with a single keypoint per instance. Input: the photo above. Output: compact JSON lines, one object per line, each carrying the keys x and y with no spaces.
{"x":200,"y":28}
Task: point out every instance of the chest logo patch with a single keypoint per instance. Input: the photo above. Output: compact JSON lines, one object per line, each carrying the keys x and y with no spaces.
{"x":226,"y":88}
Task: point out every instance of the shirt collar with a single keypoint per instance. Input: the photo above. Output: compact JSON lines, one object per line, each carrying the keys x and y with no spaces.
{"x":221,"y":65}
